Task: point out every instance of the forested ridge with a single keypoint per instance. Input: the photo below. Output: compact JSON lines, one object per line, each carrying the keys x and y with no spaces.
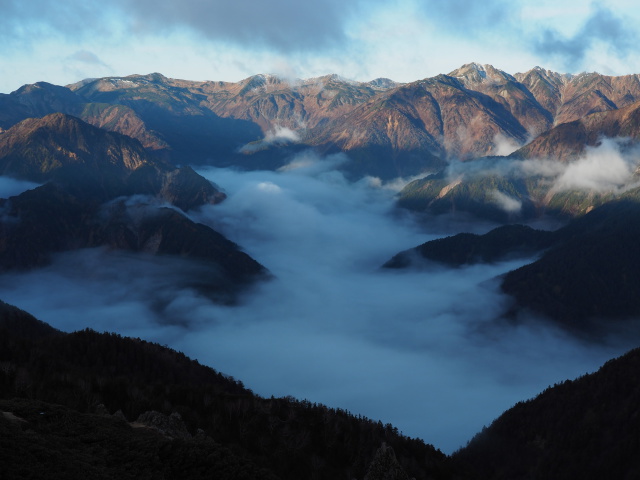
{"x":99,"y":405}
{"x":98,"y":374}
{"x":588,"y":428}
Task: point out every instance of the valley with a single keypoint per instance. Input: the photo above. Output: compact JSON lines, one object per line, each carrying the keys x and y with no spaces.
{"x":247,"y":225}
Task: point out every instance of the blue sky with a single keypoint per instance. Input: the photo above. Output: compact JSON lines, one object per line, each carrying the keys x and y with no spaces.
{"x":65,"y":41}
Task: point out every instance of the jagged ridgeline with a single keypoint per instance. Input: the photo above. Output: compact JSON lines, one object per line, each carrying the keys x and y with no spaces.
{"x":387,"y":129}
{"x":98,"y":405}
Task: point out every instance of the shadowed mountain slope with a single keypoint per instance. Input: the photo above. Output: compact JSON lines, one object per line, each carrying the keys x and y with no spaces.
{"x":78,"y":380}
{"x":587,"y":428}
{"x":87,"y":202}
{"x":586,"y":278}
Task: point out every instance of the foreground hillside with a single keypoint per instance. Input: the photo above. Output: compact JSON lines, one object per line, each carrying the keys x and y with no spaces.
{"x":68,"y":386}
{"x":104,"y":406}
{"x":587,"y":428}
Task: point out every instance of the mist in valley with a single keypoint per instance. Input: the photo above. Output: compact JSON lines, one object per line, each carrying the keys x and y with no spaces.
{"x":423,"y":349}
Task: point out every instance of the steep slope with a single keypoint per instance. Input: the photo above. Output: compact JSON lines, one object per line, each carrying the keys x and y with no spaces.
{"x":90,"y":160}
{"x":507,"y":91}
{"x":569,"y":140}
{"x":587,"y":428}
{"x":35,"y":100}
{"x":531,"y":189}
{"x":571,"y":97}
{"x":49,"y":220}
{"x":77,"y":379}
{"x":483,"y":193}
{"x":586,"y":279}
{"x":508,"y":241}
{"x":176,"y":110}
{"x":40,"y":99}
{"x":419,"y":125}
{"x":90,"y":175}
{"x":589,"y":281}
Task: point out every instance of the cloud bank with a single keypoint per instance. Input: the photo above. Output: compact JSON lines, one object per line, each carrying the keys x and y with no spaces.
{"x":418,"y":349}
{"x":612,"y":166}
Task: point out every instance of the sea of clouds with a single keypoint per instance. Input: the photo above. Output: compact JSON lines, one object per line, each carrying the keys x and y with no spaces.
{"x":421,"y":349}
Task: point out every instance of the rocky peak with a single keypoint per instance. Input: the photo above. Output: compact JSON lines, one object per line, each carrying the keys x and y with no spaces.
{"x":383,"y":84}
{"x":262,"y":81}
{"x":471,"y":73}
{"x":537,"y":74}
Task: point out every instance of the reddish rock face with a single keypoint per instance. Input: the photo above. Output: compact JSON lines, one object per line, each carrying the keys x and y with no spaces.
{"x":387,"y":129}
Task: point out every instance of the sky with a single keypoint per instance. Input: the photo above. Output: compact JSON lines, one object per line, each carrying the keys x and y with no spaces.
{"x":65,"y":41}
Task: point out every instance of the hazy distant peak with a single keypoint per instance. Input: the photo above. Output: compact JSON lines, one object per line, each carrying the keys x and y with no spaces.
{"x":262,"y":78}
{"x":39,"y":87}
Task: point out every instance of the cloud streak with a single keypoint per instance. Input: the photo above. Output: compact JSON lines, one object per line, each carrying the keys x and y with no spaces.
{"x":279,"y":135}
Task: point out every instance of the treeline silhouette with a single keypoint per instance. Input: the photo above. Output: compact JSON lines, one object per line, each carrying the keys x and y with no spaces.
{"x":588,"y":428}
{"x":88,"y":372}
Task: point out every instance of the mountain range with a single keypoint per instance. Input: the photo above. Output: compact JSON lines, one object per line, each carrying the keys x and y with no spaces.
{"x":489,"y":138}
{"x":387,"y":129}
{"x":110,"y":159}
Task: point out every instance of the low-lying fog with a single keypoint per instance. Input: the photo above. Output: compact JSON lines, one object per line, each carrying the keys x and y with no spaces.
{"x":418,"y":349}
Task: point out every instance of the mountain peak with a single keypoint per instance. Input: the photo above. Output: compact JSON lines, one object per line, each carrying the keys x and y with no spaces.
{"x":382,"y":84}
{"x":261,"y":81}
{"x":547,"y":75}
{"x":477,"y":73}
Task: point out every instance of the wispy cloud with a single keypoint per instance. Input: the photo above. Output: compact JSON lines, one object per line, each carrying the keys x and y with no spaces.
{"x":616,"y":32}
{"x":85,"y":56}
